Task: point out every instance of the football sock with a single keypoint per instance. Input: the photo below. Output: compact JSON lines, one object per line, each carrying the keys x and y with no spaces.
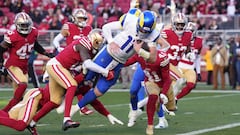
{"x":151,"y":108}
{"x":98,"y":106}
{"x":68,"y":100}
{"x":88,"y":98}
{"x":45,"y":110}
{"x":18,"y":94}
{"x":187,"y":89}
{"x":142,"y":102}
{"x":134,"y":101}
{"x":160,"y":112}
{"x":15,"y":124}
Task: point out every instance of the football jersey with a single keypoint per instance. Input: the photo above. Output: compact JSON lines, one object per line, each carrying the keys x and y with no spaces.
{"x":75,"y":32}
{"x":69,"y":56}
{"x":178,"y":45}
{"x":153,"y":71}
{"x":127,"y":35}
{"x":195,"y":48}
{"x":21,"y":48}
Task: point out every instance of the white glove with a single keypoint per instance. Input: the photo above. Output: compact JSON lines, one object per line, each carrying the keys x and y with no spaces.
{"x":164,"y":98}
{"x":113,"y":119}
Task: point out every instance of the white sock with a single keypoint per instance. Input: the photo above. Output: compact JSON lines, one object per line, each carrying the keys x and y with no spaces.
{"x":32,"y":123}
{"x":66,"y":119}
{"x":142,"y":102}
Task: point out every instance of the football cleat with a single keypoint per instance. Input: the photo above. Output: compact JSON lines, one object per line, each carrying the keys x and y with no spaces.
{"x":163,"y":123}
{"x":69,"y":124}
{"x":149,"y":130}
{"x":32,"y":130}
{"x":133,"y":115}
{"x":86,"y":111}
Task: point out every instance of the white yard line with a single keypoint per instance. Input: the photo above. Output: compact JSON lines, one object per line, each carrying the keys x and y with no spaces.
{"x":232,"y":125}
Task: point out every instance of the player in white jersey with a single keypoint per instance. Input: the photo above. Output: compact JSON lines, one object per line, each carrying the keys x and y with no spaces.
{"x":133,"y":26}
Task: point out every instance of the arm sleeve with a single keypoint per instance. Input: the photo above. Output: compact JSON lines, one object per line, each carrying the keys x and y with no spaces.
{"x":108,"y":28}
{"x":57,"y":39}
{"x":89,"y":64}
{"x":39,"y":48}
{"x":198,"y":64}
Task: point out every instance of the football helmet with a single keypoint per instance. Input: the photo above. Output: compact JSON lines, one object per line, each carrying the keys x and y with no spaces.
{"x":179,"y":23}
{"x":23,"y":23}
{"x":146,"y":23}
{"x":96,"y":38}
{"x":191,"y":26}
{"x":80,"y":17}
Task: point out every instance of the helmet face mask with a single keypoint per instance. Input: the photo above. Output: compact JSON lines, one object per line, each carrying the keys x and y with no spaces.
{"x":146,"y":23}
{"x":80,"y":17}
{"x":179,"y":23}
{"x":23,"y":23}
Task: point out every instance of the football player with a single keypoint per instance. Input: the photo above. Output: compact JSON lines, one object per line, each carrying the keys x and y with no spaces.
{"x":72,"y":31}
{"x":157,"y":83}
{"x":189,"y":61}
{"x":19,"y":44}
{"x":60,"y":78}
{"x":133,"y":26}
{"x":179,"y":40}
{"x":19,"y":117}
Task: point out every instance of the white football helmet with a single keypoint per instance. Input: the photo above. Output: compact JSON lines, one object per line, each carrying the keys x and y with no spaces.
{"x":191,"y":26}
{"x":80,"y":17}
{"x":23,"y":23}
{"x":96,"y":38}
{"x":179,"y":23}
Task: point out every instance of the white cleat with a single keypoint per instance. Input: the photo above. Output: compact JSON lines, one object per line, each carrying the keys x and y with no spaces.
{"x":133,"y":115}
{"x":163,"y":123}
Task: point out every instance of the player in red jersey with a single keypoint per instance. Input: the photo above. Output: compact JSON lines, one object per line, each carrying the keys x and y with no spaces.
{"x":19,"y":44}
{"x":80,"y":51}
{"x":72,"y":31}
{"x":179,"y":41}
{"x":189,"y":61}
{"x":19,"y":117}
{"x":157,"y":82}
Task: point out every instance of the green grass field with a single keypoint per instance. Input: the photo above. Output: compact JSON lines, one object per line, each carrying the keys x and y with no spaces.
{"x":203,"y":112}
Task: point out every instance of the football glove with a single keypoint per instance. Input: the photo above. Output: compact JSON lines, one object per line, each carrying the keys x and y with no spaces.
{"x":163,"y":98}
{"x":110,"y":75}
{"x":114,"y":120}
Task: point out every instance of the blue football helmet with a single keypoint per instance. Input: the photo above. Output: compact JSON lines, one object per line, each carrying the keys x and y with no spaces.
{"x":146,"y":23}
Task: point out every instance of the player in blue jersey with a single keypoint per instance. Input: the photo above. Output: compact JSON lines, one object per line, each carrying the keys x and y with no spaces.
{"x":133,"y":26}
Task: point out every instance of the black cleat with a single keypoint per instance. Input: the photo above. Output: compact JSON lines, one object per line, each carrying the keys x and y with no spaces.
{"x":32,"y":130}
{"x":70,"y":124}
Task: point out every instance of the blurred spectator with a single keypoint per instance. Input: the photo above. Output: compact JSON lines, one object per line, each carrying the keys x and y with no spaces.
{"x":36,"y":15}
{"x":55,"y":23}
{"x":209,"y":64}
{"x":235,"y":51}
{"x":231,"y":9}
{"x":220,"y":61}
{"x":16,"y":6}
{"x":106,"y":12}
{"x":5,"y":25}
{"x":116,"y":10}
{"x":126,"y":76}
{"x":43,"y":27}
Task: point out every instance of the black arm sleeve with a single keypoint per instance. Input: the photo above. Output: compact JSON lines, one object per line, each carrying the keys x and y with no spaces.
{"x":39,"y":48}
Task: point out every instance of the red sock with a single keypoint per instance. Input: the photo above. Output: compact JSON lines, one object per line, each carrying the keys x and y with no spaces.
{"x":17,"y":97}
{"x":79,"y":97}
{"x":98,"y":106}
{"x":44,"y":110}
{"x":151,"y":108}
{"x":15,"y":124}
{"x":68,"y":100}
{"x":3,"y":114}
{"x":187,"y":89}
